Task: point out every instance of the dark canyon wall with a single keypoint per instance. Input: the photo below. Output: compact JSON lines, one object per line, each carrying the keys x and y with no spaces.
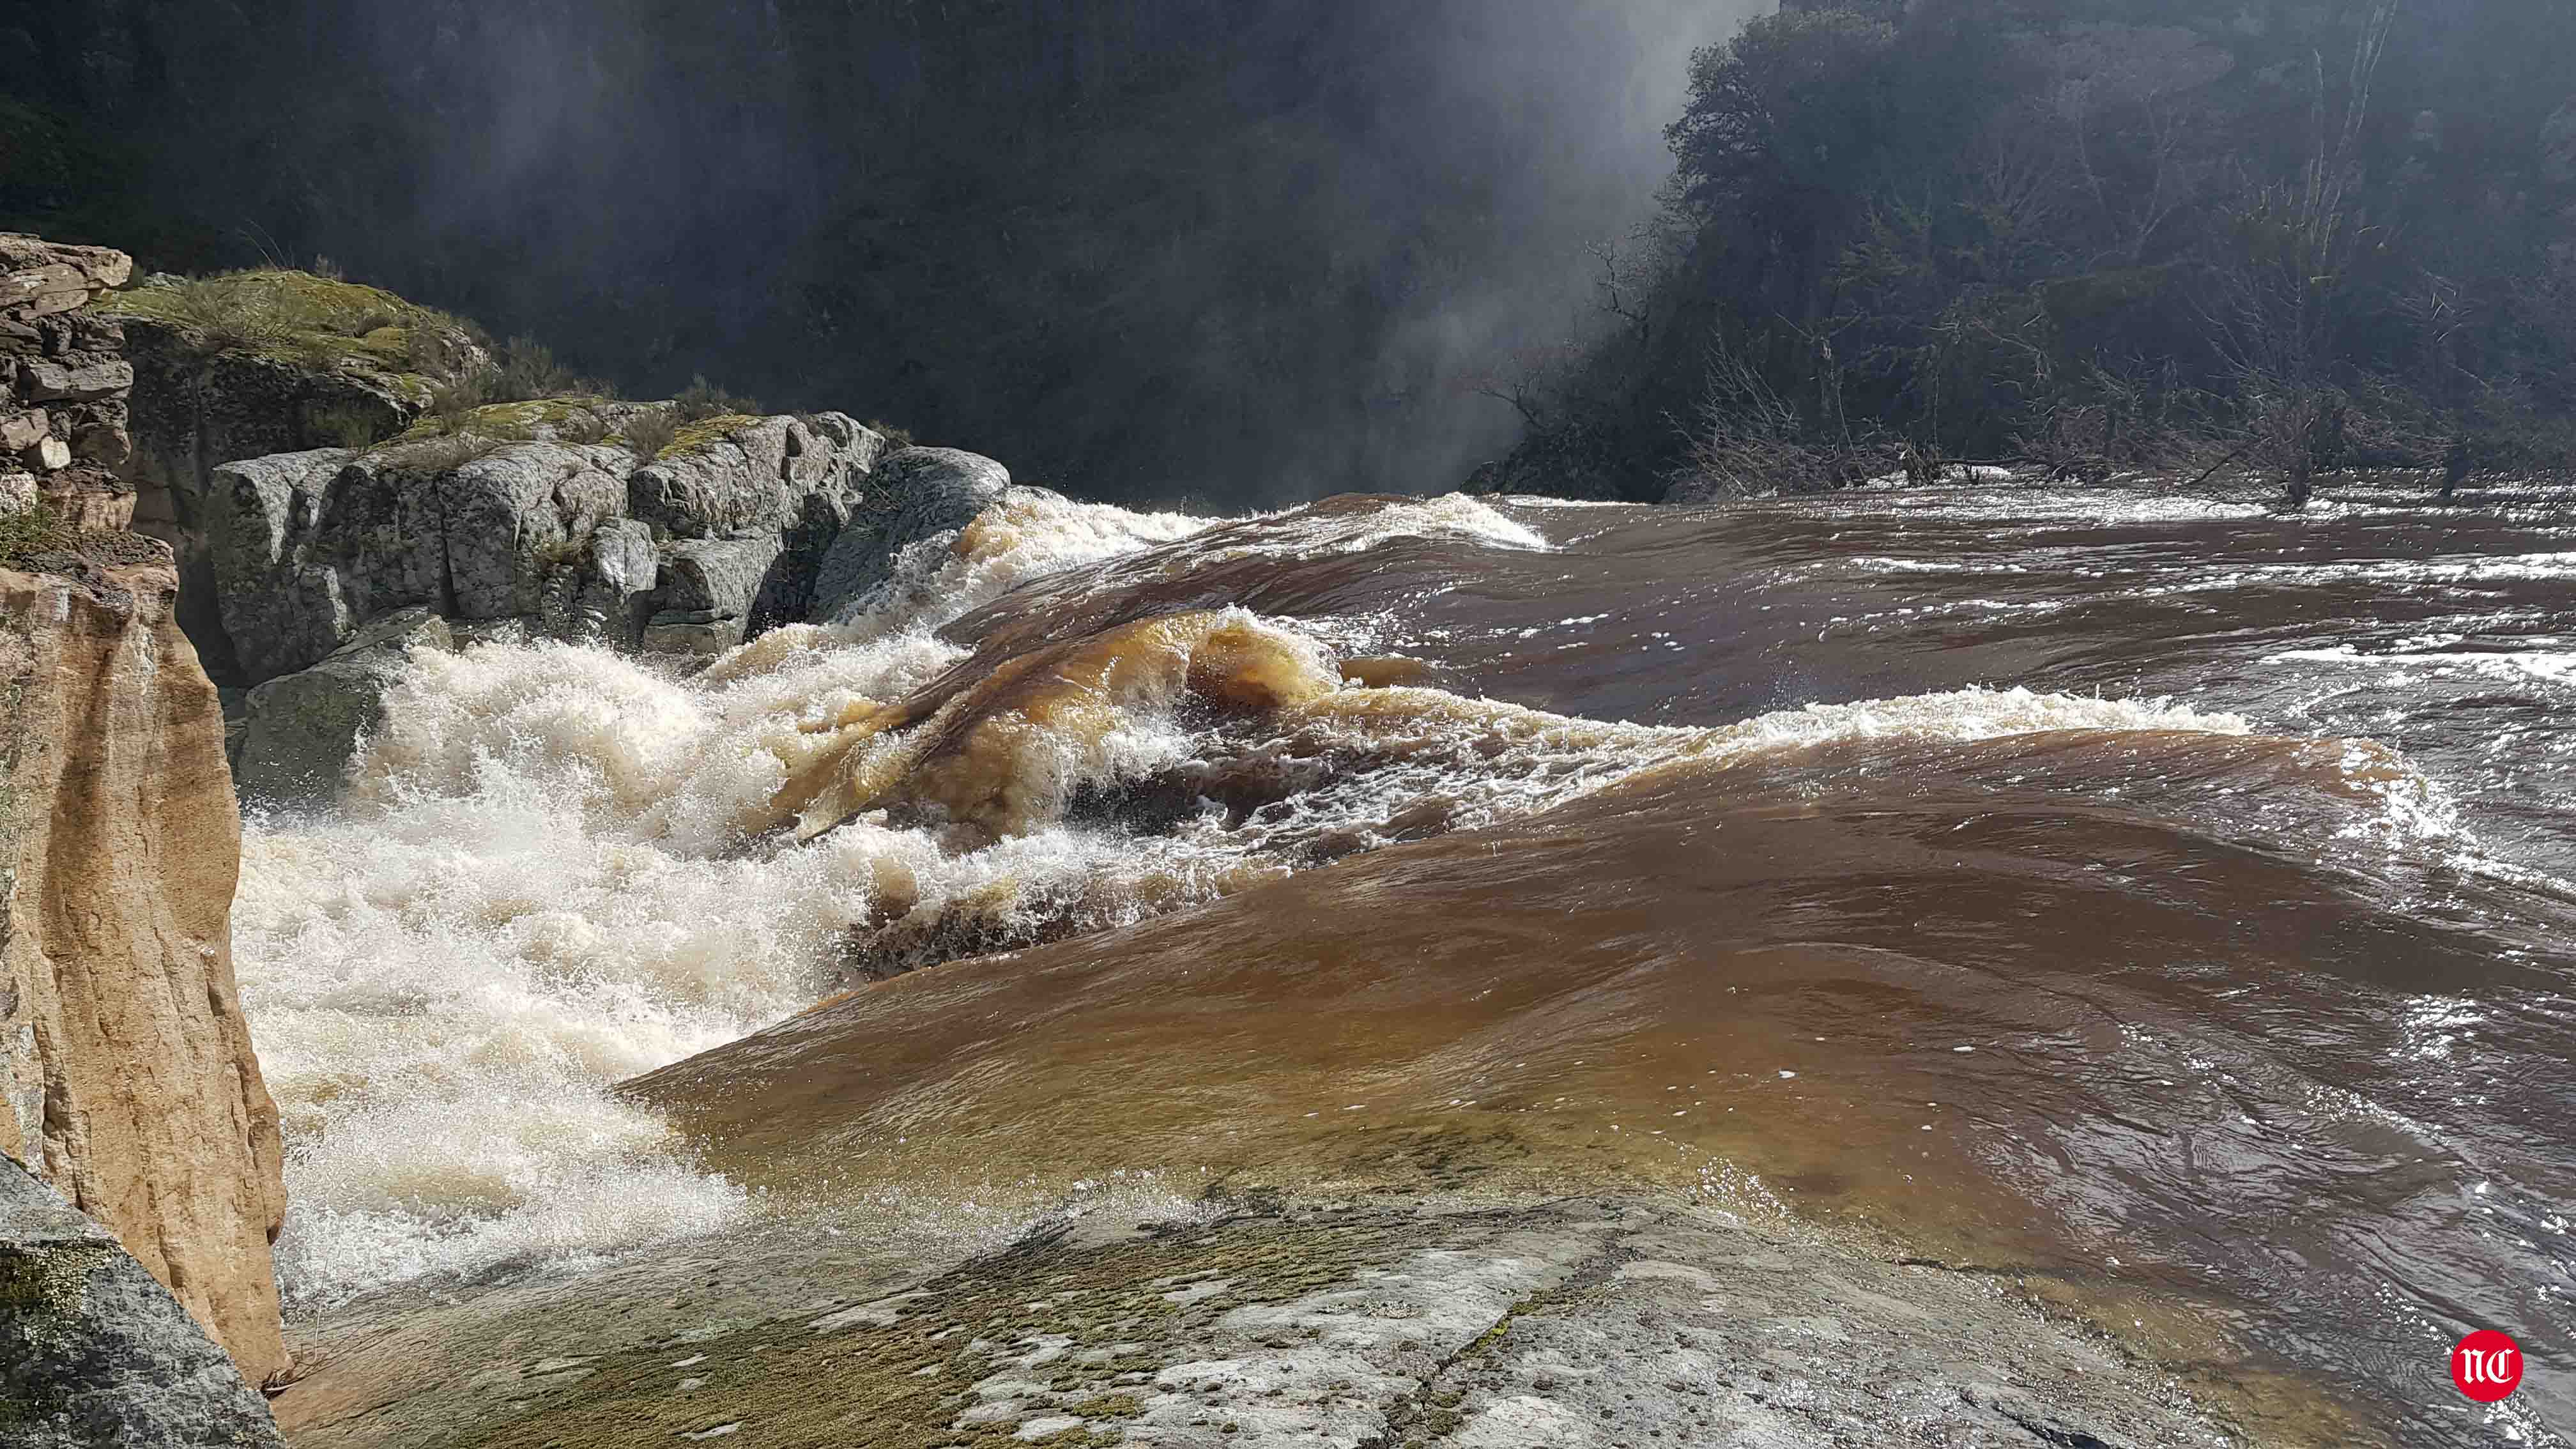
{"x":1134,"y":247}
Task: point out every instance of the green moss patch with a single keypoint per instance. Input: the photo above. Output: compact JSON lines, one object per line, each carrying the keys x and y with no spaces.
{"x":298,"y":317}
{"x":699,"y":436}
{"x":515,"y":422}
{"x":33,"y":531}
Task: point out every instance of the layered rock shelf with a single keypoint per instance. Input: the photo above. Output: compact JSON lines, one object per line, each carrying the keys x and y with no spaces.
{"x":685,"y":552}
{"x":65,"y":385}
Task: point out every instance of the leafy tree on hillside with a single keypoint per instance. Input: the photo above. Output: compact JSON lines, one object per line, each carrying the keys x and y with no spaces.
{"x":2099,"y":234}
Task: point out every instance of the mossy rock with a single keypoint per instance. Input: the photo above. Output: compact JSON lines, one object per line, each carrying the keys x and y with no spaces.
{"x":511,"y":422}
{"x":699,"y":436}
{"x":44,"y":1287}
{"x":902,"y":1373}
{"x":303,"y":319}
{"x":93,"y":1350}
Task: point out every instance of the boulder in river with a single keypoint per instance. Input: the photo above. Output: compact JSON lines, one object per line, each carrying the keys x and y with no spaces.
{"x":723,"y":530}
{"x":918,"y":495}
{"x":301,"y":729}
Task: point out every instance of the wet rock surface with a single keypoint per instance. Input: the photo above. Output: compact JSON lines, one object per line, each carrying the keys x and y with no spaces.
{"x":921,"y":495}
{"x":94,"y":1352}
{"x":301,"y":729}
{"x":1252,"y":1319}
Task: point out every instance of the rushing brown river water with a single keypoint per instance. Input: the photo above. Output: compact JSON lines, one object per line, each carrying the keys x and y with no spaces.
{"x":2155,"y":901}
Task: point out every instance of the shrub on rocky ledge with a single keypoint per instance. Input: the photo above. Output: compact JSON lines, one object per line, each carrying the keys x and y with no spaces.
{"x":702,"y":400}
{"x":647,"y":433}
{"x":31,"y":531}
{"x":525,"y":370}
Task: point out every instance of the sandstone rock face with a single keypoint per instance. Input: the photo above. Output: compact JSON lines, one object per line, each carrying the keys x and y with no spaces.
{"x":572,"y":539}
{"x":127,"y":1080}
{"x":94,"y":1352}
{"x":919,"y":494}
{"x":40,"y":380}
{"x":302,"y":728}
{"x":49,"y":275}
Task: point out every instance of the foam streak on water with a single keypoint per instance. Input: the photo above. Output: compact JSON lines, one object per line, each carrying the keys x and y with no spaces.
{"x":558,"y":869}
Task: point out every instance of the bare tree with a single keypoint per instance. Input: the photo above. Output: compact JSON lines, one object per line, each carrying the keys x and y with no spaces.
{"x":1747,"y":438}
{"x":2277,"y":305}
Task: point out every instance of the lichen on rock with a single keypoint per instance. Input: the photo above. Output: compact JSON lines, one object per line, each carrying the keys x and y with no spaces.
{"x":94,"y":1352}
{"x":302,"y":549}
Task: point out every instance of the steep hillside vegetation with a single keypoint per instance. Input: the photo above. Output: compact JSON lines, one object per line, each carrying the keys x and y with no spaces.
{"x":2098,"y":234}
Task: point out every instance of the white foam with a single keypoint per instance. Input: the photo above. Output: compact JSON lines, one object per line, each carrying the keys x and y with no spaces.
{"x":1967,"y":714}
{"x":1452,"y":516}
{"x":2556,"y":667}
{"x":535,"y":891}
{"x":936,"y":582}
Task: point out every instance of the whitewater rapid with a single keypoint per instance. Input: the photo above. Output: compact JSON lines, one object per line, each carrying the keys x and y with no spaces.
{"x":557,"y":868}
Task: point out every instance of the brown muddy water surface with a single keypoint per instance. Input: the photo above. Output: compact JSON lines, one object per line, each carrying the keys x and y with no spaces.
{"x":2153,"y":900}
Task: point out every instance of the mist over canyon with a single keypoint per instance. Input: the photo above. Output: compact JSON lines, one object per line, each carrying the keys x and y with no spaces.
{"x":1237,"y":249}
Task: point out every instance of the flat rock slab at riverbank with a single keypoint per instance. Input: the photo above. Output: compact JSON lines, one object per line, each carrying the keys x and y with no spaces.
{"x":1612,"y":1321}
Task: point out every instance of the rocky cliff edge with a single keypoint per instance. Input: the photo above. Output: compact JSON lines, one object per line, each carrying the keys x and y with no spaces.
{"x":127,"y":1082}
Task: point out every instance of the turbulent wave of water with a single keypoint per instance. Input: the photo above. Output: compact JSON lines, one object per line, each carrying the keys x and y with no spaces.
{"x":558,"y":869}
{"x":546,"y":879}
{"x":551,"y":872}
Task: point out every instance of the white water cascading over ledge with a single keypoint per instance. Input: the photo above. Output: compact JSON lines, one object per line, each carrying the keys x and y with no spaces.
{"x":540,"y":883}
